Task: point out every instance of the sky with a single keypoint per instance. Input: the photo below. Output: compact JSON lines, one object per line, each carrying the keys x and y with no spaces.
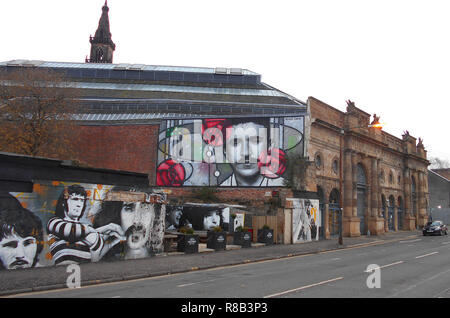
{"x":391,"y":57}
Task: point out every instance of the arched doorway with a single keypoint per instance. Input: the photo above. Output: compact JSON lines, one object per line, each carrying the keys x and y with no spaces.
{"x":414,"y":196}
{"x":334,"y":211}
{"x":391,"y":214}
{"x":321,"y":196}
{"x":400,"y":213}
{"x":361,"y":197}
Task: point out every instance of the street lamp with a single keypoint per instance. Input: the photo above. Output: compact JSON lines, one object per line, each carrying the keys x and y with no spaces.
{"x":376,"y":125}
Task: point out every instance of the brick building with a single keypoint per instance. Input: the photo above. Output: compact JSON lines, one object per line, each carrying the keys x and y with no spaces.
{"x":382,"y":185}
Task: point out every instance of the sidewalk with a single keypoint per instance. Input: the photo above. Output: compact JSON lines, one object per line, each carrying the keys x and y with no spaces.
{"x":54,"y":277}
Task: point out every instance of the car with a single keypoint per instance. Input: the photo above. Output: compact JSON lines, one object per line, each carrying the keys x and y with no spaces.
{"x":435,"y":227}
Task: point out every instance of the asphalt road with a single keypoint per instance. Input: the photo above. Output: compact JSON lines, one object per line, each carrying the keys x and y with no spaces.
{"x":417,"y":267}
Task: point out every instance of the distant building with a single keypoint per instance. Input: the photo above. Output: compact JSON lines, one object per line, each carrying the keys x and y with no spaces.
{"x":439,"y":186}
{"x":102,"y":46}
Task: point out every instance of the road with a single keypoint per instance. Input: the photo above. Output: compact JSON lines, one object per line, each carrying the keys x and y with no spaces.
{"x":418,"y":267}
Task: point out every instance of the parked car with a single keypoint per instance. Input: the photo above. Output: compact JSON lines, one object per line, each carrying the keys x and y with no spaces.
{"x":435,"y":227}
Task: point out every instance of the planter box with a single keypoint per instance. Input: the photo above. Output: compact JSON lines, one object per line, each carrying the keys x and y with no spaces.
{"x":243,"y":239}
{"x":265,"y":236}
{"x":216,"y":240}
{"x":187,"y":243}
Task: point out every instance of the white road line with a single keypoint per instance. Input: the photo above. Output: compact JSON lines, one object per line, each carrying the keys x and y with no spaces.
{"x":410,"y":241}
{"x":426,"y":255}
{"x":205,"y":281}
{"x":396,"y":263}
{"x":304,"y":287}
{"x":445,"y":242}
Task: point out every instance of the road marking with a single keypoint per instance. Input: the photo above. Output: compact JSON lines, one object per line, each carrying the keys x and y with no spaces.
{"x":304,"y":287}
{"x":420,"y":283}
{"x":384,"y":266}
{"x":426,"y":255}
{"x":205,"y":281}
{"x":410,"y":241}
{"x":445,"y":242}
{"x":336,"y":259}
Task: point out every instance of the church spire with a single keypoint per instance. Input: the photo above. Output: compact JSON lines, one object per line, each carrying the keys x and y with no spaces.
{"x":102,"y":46}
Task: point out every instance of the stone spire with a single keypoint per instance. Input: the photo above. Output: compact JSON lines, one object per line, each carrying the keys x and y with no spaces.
{"x":102,"y":46}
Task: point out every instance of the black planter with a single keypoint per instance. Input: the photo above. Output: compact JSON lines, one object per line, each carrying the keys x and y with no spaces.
{"x":265,"y":236}
{"x":187,"y":243}
{"x":243,"y":239}
{"x":216,"y":240}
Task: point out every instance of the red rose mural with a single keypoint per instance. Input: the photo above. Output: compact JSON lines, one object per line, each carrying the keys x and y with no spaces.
{"x":212,"y":131}
{"x":272,"y":163}
{"x":170,"y":173}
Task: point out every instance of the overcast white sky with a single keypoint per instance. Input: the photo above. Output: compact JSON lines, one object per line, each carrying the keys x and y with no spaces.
{"x":391,"y":57}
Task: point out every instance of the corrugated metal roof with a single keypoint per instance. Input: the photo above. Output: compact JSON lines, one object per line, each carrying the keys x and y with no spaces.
{"x":107,"y":66}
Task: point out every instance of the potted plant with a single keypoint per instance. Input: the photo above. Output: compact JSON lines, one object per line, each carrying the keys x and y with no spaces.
{"x":242,"y":236}
{"x":216,"y":239}
{"x":187,"y":240}
{"x":265,"y":235}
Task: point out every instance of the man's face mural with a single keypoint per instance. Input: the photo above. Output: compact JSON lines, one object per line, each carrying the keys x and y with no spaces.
{"x":17,"y":252}
{"x":75,"y":206}
{"x":137,"y":220}
{"x":211,"y":220}
{"x":226,"y":152}
{"x":244,"y":144}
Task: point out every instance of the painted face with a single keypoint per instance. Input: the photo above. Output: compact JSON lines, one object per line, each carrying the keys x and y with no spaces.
{"x":17,"y":252}
{"x":211,"y":220}
{"x":137,"y":220}
{"x":244,"y":145}
{"x":75,"y":204}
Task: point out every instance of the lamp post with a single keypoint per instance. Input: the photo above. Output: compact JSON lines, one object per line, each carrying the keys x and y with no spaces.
{"x":341,"y":169}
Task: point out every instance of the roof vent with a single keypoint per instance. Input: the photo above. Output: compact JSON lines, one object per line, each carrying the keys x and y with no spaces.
{"x":24,"y":63}
{"x":221,"y":70}
{"x":236,"y":71}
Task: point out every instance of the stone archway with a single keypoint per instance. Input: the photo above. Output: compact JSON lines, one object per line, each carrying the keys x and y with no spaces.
{"x":361,"y":193}
{"x":391,"y":213}
{"x":334,"y":211}
{"x":400,"y":215}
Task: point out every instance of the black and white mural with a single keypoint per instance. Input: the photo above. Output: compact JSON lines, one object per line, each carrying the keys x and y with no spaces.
{"x":66,"y":223}
{"x":306,"y":220}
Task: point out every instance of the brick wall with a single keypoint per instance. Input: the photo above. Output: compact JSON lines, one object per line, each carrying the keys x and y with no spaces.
{"x":119,"y":147}
{"x":259,"y":200}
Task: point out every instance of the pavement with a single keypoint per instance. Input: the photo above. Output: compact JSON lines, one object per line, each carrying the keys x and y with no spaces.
{"x":55,"y":277}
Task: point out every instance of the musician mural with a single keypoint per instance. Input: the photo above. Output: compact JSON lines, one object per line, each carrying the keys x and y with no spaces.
{"x":227,"y":152}
{"x":64,"y":223}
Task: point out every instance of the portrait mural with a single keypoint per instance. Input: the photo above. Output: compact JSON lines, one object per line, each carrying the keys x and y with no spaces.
{"x":227,"y":152}
{"x":63,"y":223}
{"x":306,"y":220}
{"x":199,"y":217}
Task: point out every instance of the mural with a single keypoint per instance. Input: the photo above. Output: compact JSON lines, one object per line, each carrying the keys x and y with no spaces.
{"x":201,"y":217}
{"x":64,"y":223}
{"x":306,"y":220}
{"x":227,"y":152}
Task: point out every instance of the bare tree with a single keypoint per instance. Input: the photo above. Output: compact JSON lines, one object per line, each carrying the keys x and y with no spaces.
{"x":437,"y":163}
{"x":36,"y":113}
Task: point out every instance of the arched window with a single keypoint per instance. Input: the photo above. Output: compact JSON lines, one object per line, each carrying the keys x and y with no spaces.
{"x":360,"y":175}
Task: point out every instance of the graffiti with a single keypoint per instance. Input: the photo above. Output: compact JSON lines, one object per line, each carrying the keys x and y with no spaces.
{"x":306,"y":220}
{"x":244,"y":152}
{"x":21,"y":235}
{"x":199,"y":217}
{"x":67,"y":223}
